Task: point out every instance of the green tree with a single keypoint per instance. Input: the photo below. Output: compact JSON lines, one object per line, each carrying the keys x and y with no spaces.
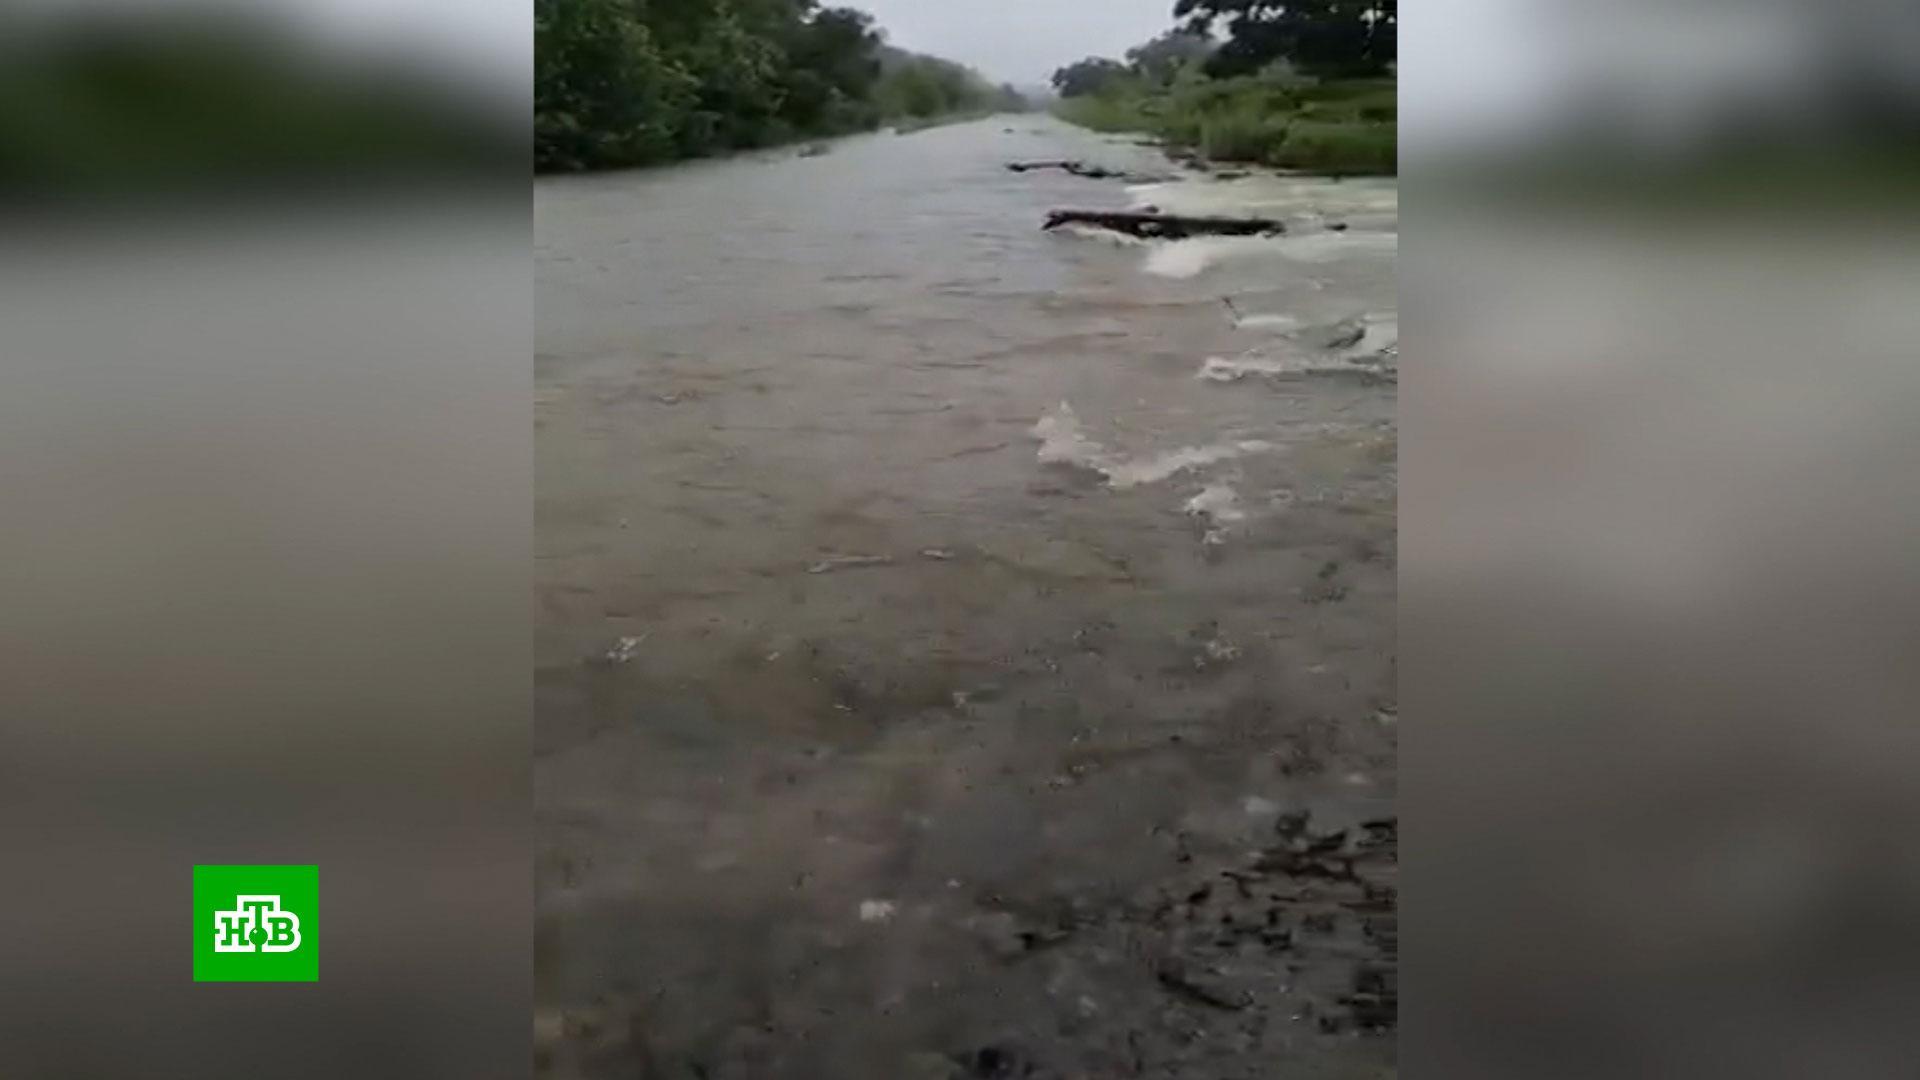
{"x":630,"y":82}
{"x":833,"y":64}
{"x":1089,"y":76}
{"x":603,"y":93}
{"x":739,"y":95}
{"x":1332,"y":38}
{"x":1162,"y":60}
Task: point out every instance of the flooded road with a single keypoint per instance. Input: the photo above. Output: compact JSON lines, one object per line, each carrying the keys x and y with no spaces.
{"x":962,"y":649}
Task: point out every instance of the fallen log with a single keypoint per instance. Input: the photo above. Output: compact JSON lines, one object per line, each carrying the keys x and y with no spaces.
{"x":1163,"y":226}
{"x":1029,"y":166}
{"x":1076,"y":168}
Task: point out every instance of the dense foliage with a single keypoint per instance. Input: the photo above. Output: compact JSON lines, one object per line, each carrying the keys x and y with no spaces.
{"x":1090,"y":76}
{"x":913,"y":87}
{"x":1160,"y":61}
{"x":1293,"y":86}
{"x":97,"y":104}
{"x":1332,"y":38}
{"x":632,"y":82}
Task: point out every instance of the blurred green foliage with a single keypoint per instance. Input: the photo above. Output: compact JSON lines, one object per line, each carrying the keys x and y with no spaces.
{"x":162,"y":105}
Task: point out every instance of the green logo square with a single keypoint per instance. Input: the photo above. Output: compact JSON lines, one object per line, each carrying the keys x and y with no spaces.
{"x":256,"y":924}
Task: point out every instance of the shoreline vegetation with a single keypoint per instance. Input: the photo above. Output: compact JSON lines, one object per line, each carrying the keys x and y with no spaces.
{"x":1341,"y":128}
{"x":619,"y":84}
{"x":1309,"y":86}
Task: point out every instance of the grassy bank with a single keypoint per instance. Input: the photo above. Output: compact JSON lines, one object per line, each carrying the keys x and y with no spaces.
{"x":1346,"y":128}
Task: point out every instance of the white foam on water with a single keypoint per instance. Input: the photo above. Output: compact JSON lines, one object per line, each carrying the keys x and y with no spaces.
{"x":1151,"y":193}
{"x":1222,"y":369}
{"x":1382,"y":332}
{"x":1152,"y":470}
{"x":1273,"y":321}
{"x":1110,"y":236}
{"x":1322,"y":247}
{"x":1374,"y":351}
{"x":1191,"y":258}
{"x":1064,"y":442}
{"x":1217,"y":502}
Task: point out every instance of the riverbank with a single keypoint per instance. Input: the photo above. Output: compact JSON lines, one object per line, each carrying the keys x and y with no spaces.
{"x":556,"y":162}
{"x":1342,"y":128}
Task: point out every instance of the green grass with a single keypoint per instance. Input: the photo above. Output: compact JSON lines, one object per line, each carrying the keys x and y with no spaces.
{"x":1339,"y":147}
{"x":1242,"y":134}
{"x":1342,"y":128}
{"x":1104,"y":114}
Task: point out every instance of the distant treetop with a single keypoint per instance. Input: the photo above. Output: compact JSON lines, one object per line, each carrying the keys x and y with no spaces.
{"x":1334,"y":38}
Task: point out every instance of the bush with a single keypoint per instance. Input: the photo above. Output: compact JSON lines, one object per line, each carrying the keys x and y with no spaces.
{"x":1183,"y":128}
{"x":1350,"y":90}
{"x":1242,"y":134}
{"x":1105,"y":113}
{"x":1345,"y":128}
{"x":1374,"y":105}
{"x":1339,"y":148}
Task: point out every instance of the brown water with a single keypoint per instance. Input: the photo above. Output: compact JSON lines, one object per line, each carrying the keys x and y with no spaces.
{"x":919,"y":629}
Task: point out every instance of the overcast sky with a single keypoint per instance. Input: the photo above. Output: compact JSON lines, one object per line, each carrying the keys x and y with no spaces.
{"x":1019,"y":41}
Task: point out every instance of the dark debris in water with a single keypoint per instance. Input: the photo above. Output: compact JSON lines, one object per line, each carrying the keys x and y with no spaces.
{"x":994,"y":1061}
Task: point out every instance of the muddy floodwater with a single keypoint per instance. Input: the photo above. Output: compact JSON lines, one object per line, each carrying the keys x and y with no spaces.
{"x":963,"y":650}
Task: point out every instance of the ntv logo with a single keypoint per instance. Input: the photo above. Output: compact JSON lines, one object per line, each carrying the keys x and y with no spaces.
{"x":256,"y":923}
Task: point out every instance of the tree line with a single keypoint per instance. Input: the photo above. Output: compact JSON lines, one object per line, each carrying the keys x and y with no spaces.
{"x":1324,"y":39}
{"x":635,"y":82}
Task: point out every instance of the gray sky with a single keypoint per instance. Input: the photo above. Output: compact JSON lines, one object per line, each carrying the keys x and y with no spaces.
{"x":1020,"y":41}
